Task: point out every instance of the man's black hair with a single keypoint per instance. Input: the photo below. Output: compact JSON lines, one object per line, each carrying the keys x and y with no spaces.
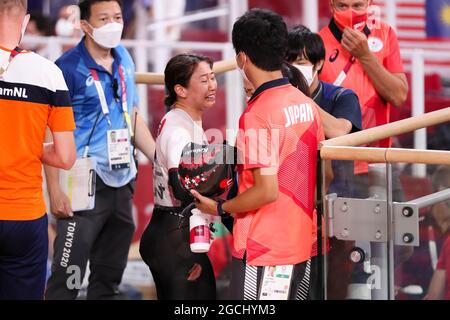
{"x":85,"y":7}
{"x":262,"y":36}
{"x":304,"y":43}
{"x":43,"y":23}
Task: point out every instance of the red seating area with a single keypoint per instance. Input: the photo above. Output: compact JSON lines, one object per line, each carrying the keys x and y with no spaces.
{"x":285,"y":8}
{"x":204,"y":35}
{"x":414,"y":187}
{"x":434,"y":99}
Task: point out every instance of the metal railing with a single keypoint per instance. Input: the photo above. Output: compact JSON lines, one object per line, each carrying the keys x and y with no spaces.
{"x":377,"y":224}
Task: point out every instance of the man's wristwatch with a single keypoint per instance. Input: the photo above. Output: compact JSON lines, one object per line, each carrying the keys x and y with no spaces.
{"x":220,"y":211}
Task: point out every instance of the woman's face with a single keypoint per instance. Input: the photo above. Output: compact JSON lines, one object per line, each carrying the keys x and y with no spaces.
{"x":201,"y":90}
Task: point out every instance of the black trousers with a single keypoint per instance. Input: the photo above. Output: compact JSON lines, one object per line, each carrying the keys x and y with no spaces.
{"x":165,"y":249}
{"x":314,"y":290}
{"x":102,"y":236}
{"x":23,"y":258}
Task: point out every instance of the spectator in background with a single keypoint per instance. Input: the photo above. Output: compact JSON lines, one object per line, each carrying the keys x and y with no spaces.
{"x":68,"y":25}
{"x":441,"y":181}
{"x":363,"y":54}
{"x":306,"y":51}
{"x":340,"y":113}
{"x":364,"y":57}
{"x":434,"y":228}
{"x":339,"y":110}
{"x":40,"y":26}
{"x":68,"y":22}
{"x":56,"y":5}
{"x":440,"y":283}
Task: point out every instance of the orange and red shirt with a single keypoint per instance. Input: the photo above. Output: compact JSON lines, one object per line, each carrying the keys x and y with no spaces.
{"x":279,"y":132}
{"x":33,"y":95}
{"x":384,"y":45}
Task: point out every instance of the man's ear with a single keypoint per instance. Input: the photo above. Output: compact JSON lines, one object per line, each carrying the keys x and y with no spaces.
{"x":240,"y":59}
{"x":180,"y":91}
{"x":84,"y":25}
{"x":319,"y":65}
{"x":331,"y":6}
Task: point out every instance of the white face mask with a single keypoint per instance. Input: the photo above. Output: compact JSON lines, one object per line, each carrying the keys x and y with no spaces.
{"x":307,"y":72}
{"x":64,"y":28}
{"x":24,"y":27}
{"x":109,"y":35}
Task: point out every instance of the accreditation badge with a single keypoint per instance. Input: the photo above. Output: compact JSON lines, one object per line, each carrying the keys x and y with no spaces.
{"x":276,"y":282}
{"x":119,"y":149}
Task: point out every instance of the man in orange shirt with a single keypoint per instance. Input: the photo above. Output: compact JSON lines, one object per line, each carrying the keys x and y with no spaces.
{"x":363,"y":54}
{"x":277,"y":142}
{"x":33,"y":95}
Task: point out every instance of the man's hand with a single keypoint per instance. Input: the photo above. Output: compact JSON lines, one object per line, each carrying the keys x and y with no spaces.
{"x":355,"y":42}
{"x":60,"y":205}
{"x":205,"y":204}
{"x":392,"y":87}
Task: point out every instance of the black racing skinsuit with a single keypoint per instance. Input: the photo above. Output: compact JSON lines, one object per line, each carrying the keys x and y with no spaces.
{"x":166,"y":250}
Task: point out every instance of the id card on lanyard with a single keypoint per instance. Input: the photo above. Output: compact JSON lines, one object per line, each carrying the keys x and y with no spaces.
{"x":119,"y":149}
{"x":14,"y":53}
{"x":276,"y":282}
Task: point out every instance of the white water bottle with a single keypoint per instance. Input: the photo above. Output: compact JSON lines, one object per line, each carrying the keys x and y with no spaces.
{"x":200,"y":234}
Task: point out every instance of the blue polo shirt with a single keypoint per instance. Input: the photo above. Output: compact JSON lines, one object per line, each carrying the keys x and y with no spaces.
{"x":76,"y":65}
{"x":341,"y":103}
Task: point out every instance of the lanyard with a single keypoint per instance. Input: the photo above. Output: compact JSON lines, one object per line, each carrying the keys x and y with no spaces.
{"x":124,"y":101}
{"x":104,"y":105}
{"x":345,"y":72}
{"x":14,"y":53}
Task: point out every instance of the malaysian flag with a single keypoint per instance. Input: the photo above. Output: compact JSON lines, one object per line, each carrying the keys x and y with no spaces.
{"x":419,"y":25}
{"x":438,"y":19}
